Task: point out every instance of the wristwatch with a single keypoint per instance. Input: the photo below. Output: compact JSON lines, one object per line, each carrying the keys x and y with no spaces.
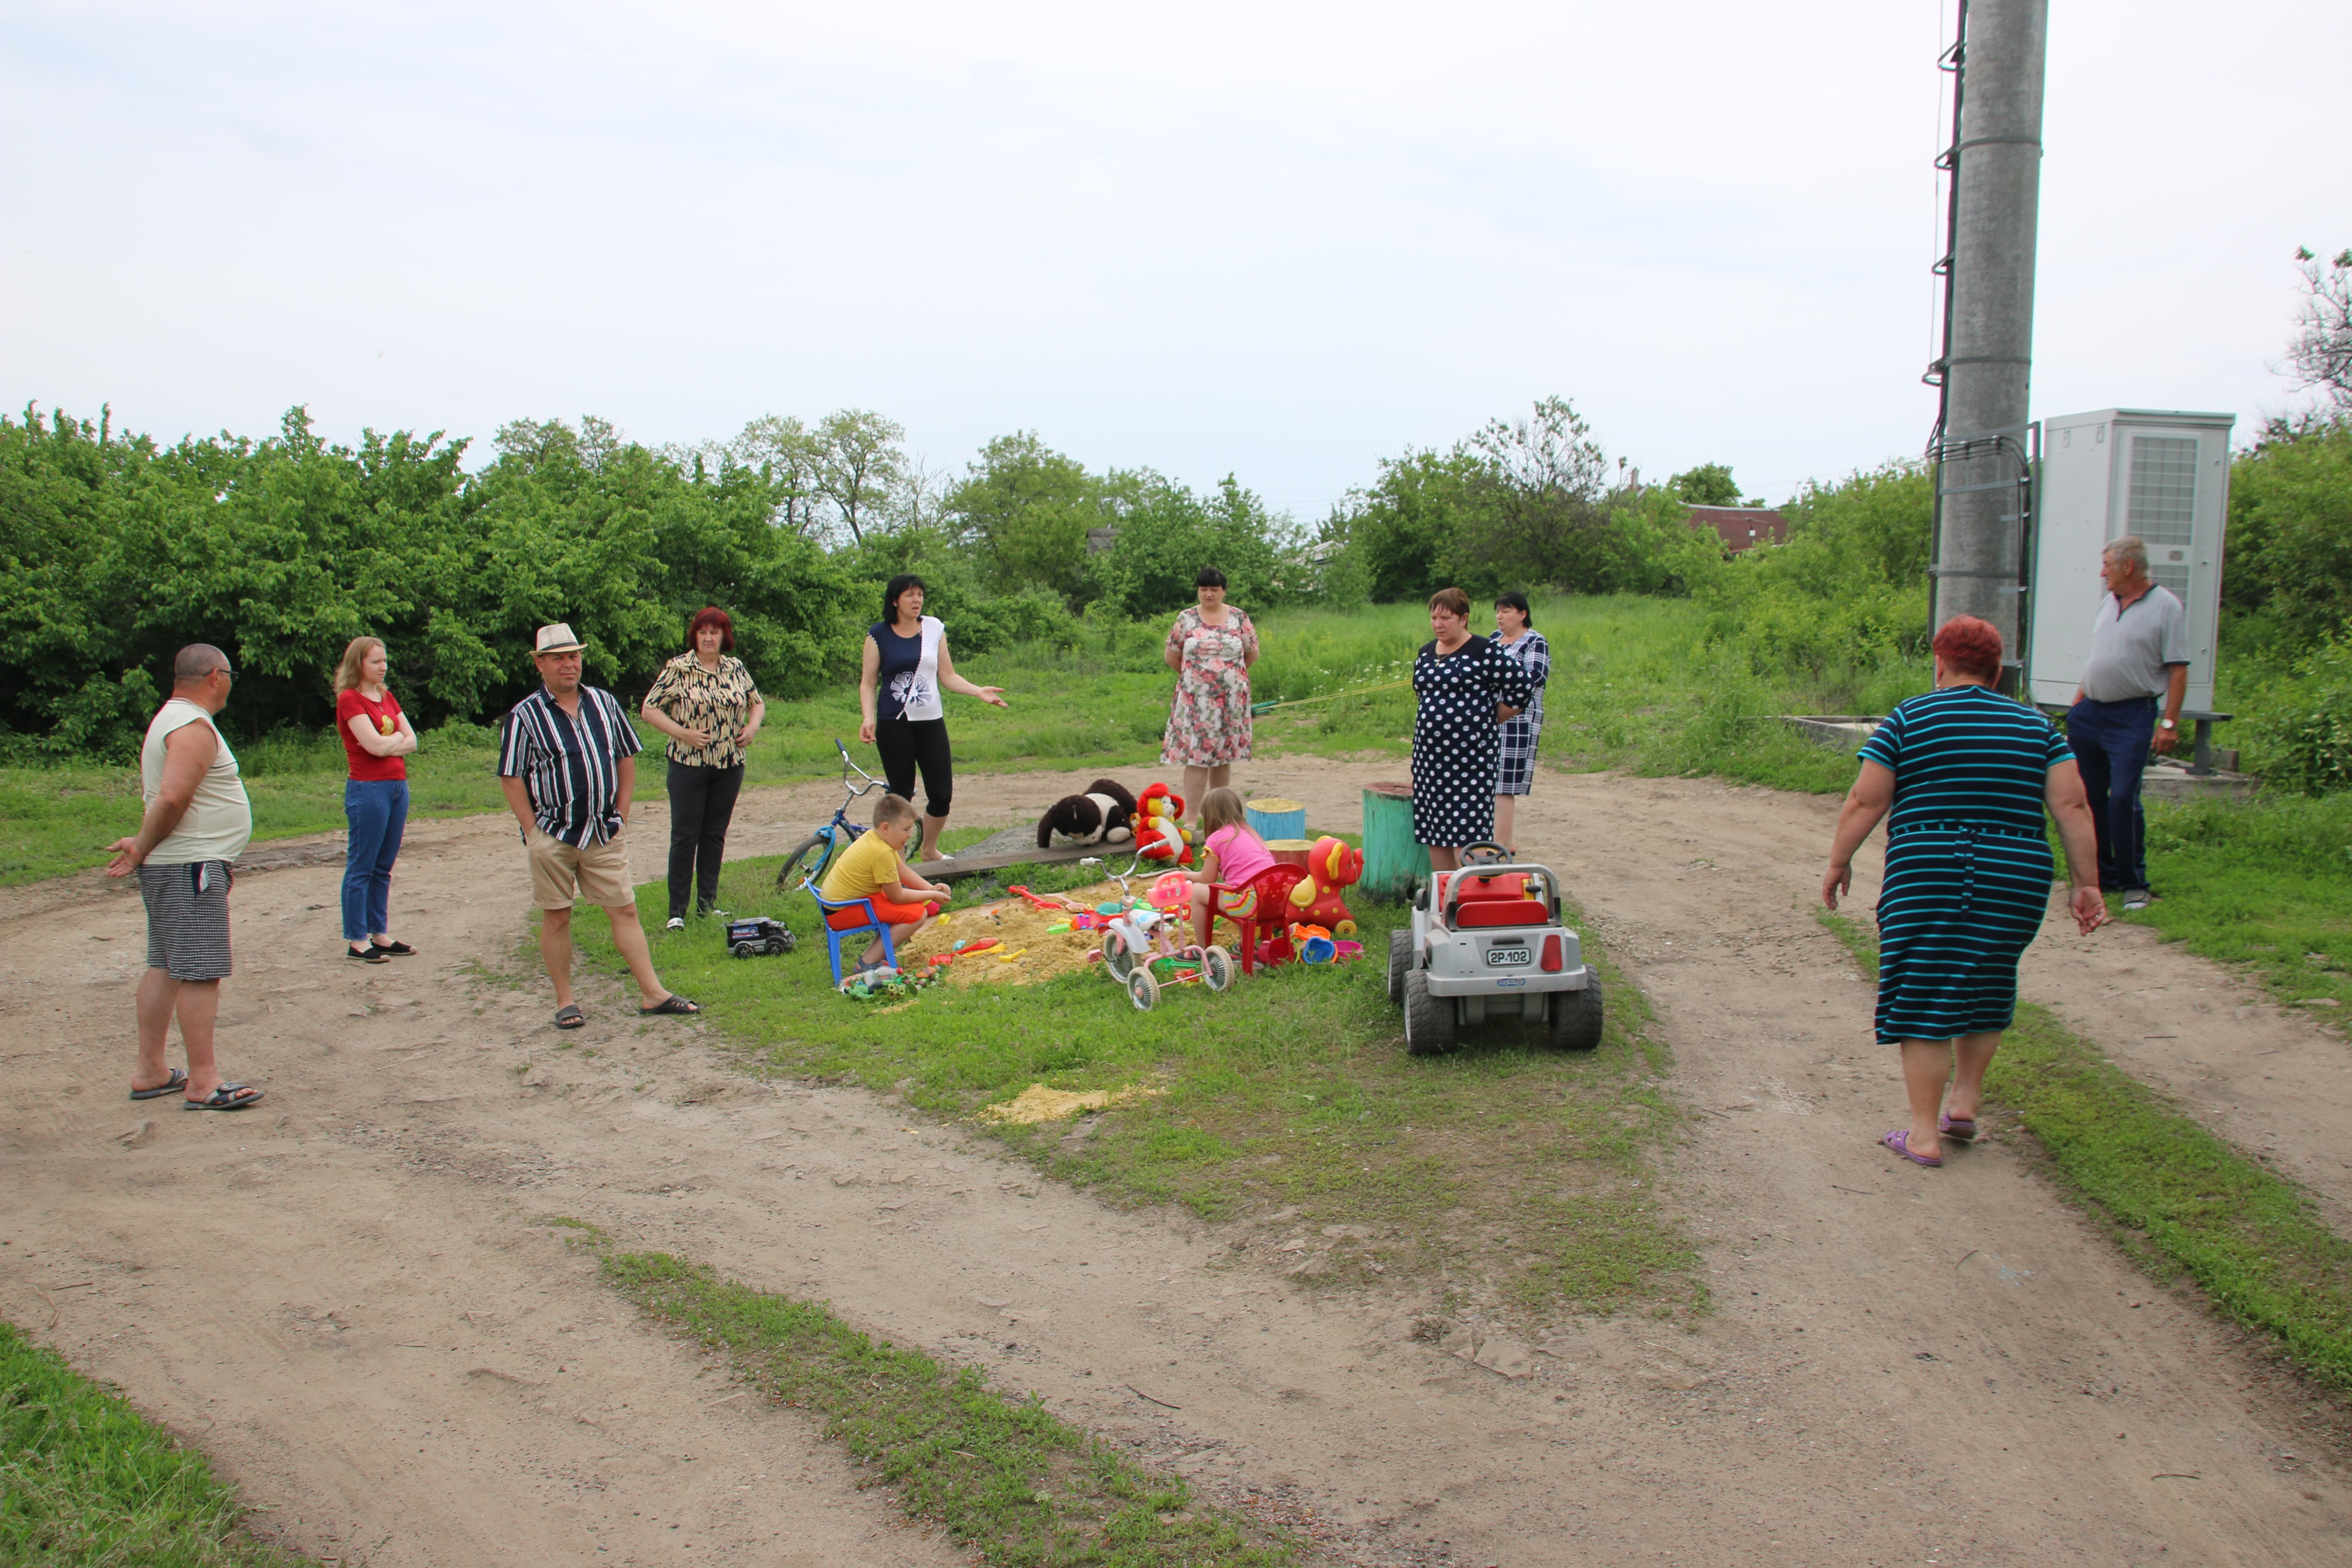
{"x":2166,"y":724}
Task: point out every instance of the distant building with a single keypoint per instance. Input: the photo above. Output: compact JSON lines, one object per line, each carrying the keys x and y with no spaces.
{"x":1742,"y":527}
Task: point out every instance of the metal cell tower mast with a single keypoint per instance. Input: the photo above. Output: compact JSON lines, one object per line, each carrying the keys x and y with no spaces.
{"x":1982,"y":447}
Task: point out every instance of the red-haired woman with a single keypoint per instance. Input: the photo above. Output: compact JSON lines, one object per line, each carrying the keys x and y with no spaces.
{"x":709,"y":707}
{"x":1966,"y":773}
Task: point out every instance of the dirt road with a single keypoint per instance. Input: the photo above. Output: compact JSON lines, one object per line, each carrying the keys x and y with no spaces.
{"x":345,"y":1297}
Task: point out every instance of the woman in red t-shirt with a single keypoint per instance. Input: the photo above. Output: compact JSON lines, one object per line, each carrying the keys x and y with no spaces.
{"x":376,"y":736}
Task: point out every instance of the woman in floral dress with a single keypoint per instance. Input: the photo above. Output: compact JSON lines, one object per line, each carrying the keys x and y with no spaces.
{"x":1211,"y":649}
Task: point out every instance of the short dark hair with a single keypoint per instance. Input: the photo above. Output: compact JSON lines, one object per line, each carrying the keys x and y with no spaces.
{"x":896,"y":587}
{"x":1208,"y":577}
{"x":1518,"y":601}
{"x":1970,"y":646}
{"x":196,"y":661}
{"x":1453,"y":599}
{"x":712,"y":616}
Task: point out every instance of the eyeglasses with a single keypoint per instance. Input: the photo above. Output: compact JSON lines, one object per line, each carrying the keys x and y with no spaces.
{"x":224,"y":670}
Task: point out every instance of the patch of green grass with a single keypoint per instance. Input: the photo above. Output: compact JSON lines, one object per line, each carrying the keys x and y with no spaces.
{"x":1004,"y":1475}
{"x":2266,"y":883}
{"x":1529,"y":1175}
{"x":85,"y":1480}
{"x":2180,"y":1200}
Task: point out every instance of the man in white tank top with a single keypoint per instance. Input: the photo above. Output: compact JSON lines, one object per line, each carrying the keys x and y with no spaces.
{"x":197,"y":823}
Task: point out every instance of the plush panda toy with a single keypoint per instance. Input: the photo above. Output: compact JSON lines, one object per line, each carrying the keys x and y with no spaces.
{"x":1101,"y":815}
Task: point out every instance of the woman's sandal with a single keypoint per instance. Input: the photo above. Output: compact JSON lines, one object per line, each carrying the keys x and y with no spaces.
{"x":1960,"y":1127}
{"x":391,"y":949}
{"x":366,"y":954}
{"x":227,"y":1096}
{"x":570,"y":1016}
{"x":1900,"y":1142}
{"x":672,"y":1002}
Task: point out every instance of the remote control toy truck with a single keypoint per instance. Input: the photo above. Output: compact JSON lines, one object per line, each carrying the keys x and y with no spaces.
{"x":748,"y":938}
{"x":1487,"y":942}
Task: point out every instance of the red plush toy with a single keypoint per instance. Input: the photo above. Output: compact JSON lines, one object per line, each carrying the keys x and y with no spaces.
{"x":1159,"y":831}
{"x":1332,"y":866}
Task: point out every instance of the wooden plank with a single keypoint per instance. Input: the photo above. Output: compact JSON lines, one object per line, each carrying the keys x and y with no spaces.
{"x":973,"y":865}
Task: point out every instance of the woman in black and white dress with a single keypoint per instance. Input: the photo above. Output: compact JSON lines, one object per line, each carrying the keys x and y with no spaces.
{"x":1468,"y":686}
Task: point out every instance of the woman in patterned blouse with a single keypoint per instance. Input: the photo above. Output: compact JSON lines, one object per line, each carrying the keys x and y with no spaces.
{"x":1515,"y":761}
{"x":709,"y":707}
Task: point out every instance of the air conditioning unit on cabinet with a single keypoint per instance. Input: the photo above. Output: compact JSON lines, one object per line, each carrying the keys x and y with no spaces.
{"x":2164,"y":476}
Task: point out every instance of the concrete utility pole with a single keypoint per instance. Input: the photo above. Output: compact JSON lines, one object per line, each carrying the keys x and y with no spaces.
{"x":1980,"y":445}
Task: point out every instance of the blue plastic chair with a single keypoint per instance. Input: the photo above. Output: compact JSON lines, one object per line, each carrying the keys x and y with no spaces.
{"x":834,"y":938}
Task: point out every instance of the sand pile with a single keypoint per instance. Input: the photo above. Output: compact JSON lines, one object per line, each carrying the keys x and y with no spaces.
{"x":1031,"y":954}
{"x":1037,"y":1103}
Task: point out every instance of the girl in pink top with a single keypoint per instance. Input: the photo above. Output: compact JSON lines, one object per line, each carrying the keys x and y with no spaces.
{"x":1235,"y":856}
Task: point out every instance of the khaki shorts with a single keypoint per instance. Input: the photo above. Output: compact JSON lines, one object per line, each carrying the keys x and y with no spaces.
{"x":560,"y":875}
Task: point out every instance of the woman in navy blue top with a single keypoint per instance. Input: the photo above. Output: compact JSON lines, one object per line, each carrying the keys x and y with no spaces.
{"x":1968,"y":774}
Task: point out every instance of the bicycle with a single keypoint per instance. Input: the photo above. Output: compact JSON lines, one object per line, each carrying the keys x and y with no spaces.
{"x":830,"y":837}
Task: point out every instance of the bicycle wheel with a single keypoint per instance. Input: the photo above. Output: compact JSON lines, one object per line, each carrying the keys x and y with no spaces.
{"x":807,"y":860}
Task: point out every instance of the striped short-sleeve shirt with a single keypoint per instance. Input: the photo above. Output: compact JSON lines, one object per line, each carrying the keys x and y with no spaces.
{"x":570,"y":766}
{"x":1967,"y":754}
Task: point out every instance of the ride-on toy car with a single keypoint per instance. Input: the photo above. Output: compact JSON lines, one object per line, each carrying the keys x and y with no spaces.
{"x":1487,"y":942}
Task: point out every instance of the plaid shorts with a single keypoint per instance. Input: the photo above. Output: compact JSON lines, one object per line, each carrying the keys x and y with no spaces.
{"x":1515,"y":760}
{"x":187,"y":918}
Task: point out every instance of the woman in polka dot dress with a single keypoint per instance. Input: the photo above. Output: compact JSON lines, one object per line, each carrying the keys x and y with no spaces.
{"x":1467,"y":686}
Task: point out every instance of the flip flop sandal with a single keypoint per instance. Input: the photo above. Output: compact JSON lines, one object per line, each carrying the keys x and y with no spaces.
{"x":227,"y":1096}
{"x":366,"y":954}
{"x":672,"y":1002}
{"x":1900,"y":1142}
{"x":570,"y":1016}
{"x":396,"y":949}
{"x":1960,"y":1127}
{"x":161,"y":1090}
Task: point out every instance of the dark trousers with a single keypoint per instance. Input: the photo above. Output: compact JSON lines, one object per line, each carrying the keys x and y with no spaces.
{"x":701,"y":804}
{"x":909,"y":745}
{"x":2111,"y":742}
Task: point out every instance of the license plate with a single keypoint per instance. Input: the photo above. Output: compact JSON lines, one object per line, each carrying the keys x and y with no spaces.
{"x":1507,"y":957}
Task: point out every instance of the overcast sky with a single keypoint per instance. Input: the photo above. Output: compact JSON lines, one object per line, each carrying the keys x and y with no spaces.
{"x":1282,"y":240}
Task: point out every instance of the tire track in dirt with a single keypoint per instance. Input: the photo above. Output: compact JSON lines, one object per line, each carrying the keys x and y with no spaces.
{"x":1905,"y":1364}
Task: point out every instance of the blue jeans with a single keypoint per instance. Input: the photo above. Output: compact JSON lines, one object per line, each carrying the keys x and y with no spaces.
{"x":377,"y":809}
{"x":2111,"y":742}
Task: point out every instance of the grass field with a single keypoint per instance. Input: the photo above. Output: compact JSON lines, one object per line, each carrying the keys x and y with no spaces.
{"x":1523,"y":1178}
{"x":88,"y":1482}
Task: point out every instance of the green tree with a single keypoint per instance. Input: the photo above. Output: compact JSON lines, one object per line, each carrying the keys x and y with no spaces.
{"x":1709,"y":484}
{"x":2290,"y":538}
{"x":1166,"y":533}
{"x":1025,"y":510}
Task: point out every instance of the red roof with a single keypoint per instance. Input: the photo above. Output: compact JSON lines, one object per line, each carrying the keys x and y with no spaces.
{"x":1742,"y":527}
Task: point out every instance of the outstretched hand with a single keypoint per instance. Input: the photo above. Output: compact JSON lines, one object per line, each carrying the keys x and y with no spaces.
{"x":2089,"y":909}
{"x":992,"y":695}
{"x":1835,"y":880}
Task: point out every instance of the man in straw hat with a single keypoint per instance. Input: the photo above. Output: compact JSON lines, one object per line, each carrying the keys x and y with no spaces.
{"x":567,"y":761}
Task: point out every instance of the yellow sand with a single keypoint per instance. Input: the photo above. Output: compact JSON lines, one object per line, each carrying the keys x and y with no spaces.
{"x":1030,"y":954}
{"x":1038,"y":1103}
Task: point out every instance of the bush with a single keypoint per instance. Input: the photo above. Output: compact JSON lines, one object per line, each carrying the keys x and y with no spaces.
{"x":2299,"y":737}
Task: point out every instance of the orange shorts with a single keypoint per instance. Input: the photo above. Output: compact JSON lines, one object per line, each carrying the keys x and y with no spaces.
{"x":888,"y":913}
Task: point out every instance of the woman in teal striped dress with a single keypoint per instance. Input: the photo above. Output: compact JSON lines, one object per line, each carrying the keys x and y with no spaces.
{"x":1966,"y":773}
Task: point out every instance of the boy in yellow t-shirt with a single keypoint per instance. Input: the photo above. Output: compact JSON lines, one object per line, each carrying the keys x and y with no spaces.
{"x":876,"y":868}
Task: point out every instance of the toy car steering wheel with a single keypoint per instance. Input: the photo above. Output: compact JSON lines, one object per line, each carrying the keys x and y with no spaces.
{"x":1483,"y":853}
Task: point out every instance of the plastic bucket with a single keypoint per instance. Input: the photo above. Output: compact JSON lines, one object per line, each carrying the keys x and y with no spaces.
{"x":1290,"y":851}
{"x":1393,"y":858}
{"x":1274,"y":817}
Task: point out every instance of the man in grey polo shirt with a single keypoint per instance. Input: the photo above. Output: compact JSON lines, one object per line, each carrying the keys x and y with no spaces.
{"x":2139,"y":657}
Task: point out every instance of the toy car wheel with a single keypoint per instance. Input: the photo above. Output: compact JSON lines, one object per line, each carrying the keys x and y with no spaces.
{"x":1116,"y":957}
{"x":1345,"y":928}
{"x":1142,"y":990}
{"x":744,"y":948}
{"x":1400,"y":961}
{"x":1216,"y":968}
{"x":1575,"y":1023}
{"x":1428,"y":1020}
{"x":786,"y":941}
